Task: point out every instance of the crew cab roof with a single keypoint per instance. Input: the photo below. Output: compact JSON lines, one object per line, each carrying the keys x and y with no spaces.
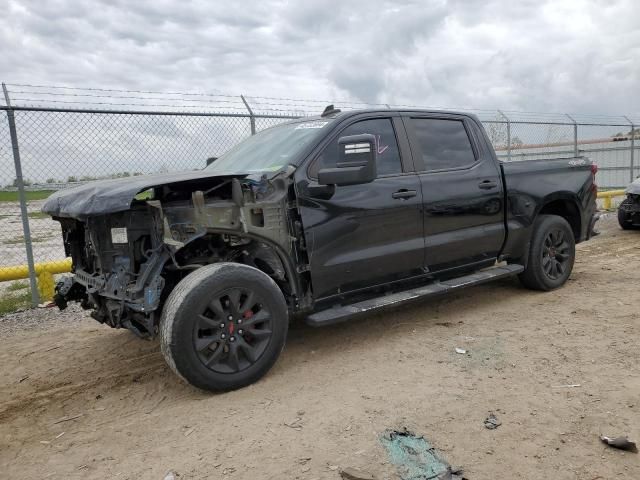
{"x":353,"y":113}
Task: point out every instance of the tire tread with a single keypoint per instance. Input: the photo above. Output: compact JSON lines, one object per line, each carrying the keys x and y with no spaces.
{"x":533,"y":276}
{"x":194,"y":284}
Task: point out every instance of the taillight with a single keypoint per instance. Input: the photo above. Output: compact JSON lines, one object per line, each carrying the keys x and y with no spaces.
{"x":594,"y":170}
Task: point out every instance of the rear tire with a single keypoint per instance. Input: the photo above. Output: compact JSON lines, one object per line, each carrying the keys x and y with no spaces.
{"x":551,"y":254}
{"x":223,"y":326}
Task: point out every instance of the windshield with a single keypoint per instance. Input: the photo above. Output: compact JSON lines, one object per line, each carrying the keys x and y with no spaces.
{"x":269,"y":150}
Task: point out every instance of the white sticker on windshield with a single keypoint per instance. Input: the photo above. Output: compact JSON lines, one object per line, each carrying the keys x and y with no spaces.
{"x":310,"y":125}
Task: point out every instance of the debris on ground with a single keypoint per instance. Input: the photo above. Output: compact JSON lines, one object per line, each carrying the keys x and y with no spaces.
{"x":621,"y":443}
{"x":354,"y":474}
{"x":153,"y":407}
{"x":461,"y":350}
{"x":415,"y":458}
{"x":67,"y":419}
{"x":492,"y":422}
{"x":170,"y":476}
{"x":572,"y":385}
{"x":295,"y":424}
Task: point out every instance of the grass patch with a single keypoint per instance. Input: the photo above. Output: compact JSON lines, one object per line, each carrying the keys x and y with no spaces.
{"x":6,"y":196}
{"x":13,"y":303}
{"x":40,"y":238}
{"x":145,"y":195}
{"x":16,"y":286}
{"x":34,"y":239}
{"x":14,"y":240}
{"x":38,"y":215}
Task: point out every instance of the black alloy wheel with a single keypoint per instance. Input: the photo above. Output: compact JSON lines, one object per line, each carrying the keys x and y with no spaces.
{"x":224,"y":326}
{"x":233,"y":331}
{"x":551,"y":255}
{"x":555,"y":254}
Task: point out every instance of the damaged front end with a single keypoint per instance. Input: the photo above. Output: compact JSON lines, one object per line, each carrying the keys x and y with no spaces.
{"x":125,"y":263}
{"x":117,"y":263}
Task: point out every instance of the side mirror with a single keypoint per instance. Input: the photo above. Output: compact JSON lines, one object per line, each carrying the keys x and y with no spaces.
{"x":356,"y":162}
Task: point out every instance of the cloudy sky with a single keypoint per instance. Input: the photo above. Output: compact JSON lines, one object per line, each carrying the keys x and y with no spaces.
{"x":569,"y":55}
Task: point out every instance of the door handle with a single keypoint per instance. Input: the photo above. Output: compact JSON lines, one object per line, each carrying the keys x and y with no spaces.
{"x":487,"y":185}
{"x":404,"y":193}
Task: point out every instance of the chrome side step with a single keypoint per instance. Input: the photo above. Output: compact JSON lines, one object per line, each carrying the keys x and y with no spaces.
{"x":342,"y":313}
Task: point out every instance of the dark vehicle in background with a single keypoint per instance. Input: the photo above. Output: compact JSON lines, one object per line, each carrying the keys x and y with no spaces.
{"x":327,"y":218}
{"x":629,"y":208}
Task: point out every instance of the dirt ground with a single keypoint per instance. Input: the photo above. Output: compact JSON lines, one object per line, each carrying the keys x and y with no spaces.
{"x":80,"y":400}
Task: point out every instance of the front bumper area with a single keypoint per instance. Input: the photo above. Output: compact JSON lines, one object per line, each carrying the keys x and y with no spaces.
{"x":117,"y":276}
{"x":116,"y":299}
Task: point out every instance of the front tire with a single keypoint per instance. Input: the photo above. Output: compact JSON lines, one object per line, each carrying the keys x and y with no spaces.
{"x":551,"y":254}
{"x":223,"y":326}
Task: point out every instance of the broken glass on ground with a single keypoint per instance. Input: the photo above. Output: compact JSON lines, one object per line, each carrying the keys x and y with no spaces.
{"x":415,"y":458}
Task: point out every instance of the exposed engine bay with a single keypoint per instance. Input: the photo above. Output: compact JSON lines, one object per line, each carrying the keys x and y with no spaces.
{"x":126,"y":263}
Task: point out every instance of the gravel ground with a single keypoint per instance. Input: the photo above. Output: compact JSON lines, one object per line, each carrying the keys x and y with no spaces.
{"x":80,"y":400}
{"x":43,"y":319}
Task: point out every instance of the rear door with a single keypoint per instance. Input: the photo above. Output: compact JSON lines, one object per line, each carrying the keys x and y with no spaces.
{"x":462,"y":192}
{"x":363,"y":235}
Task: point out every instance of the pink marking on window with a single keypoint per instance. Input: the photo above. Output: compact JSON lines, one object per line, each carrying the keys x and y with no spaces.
{"x":380,"y":148}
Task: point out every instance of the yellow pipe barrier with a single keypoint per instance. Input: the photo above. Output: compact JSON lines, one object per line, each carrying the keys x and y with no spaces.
{"x":44,"y":272}
{"x":608,"y":195}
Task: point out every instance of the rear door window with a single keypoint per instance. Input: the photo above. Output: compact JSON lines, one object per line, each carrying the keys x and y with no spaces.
{"x":443,"y":144}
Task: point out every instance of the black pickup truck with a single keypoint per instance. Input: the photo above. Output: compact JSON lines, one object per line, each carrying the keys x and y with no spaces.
{"x":327,"y":218}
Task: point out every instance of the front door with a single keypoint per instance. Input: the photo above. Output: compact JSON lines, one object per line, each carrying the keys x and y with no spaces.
{"x":365,"y":234}
{"x":462,"y":192}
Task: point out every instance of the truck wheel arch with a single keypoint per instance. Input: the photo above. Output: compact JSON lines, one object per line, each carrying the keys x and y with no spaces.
{"x":277,"y":258}
{"x":566,"y":208}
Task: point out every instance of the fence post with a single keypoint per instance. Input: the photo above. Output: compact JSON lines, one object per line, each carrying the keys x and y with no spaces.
{"x":35,"y":296}
{"x":252,"y":119}
{"x":633,"y":147}
{"x":576,"y":152}
{"x":508,"y":134}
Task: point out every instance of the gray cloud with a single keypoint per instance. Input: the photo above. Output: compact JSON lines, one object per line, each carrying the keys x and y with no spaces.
{"x":576,"y":56}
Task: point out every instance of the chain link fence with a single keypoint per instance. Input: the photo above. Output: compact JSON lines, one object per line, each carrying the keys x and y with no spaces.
{"x":69,"y":136}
